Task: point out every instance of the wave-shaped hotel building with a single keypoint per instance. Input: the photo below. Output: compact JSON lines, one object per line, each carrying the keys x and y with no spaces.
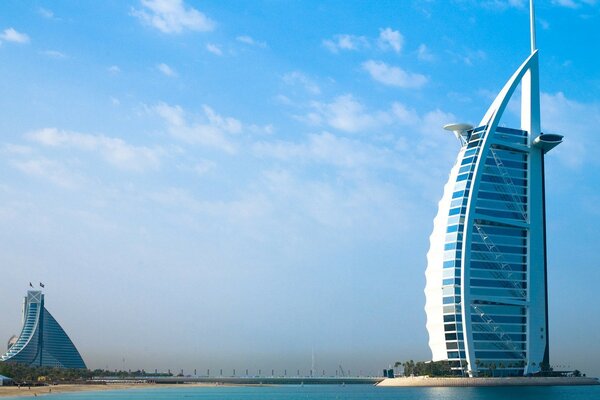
{"x":42,"y":342}
{"x":486,"y":291}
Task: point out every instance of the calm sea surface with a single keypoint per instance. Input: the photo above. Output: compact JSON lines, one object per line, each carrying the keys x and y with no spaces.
{"x":349,"y":392}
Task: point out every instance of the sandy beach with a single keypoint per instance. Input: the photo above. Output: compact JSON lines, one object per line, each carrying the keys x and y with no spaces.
{"x":34,"y":391}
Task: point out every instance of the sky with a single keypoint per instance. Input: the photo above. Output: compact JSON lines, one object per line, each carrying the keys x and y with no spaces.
{"x":239,"y":184}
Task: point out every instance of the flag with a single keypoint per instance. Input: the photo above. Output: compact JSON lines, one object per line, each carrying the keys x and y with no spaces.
{"x":41,"y":284}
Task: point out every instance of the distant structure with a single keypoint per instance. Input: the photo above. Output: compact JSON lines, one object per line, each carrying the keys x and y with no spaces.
{"x":42,"y":341}
{"x":486,"y":291}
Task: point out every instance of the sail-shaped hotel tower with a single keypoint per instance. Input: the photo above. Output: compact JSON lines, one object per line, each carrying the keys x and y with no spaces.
{"x":486,"y":291}
{"x":42,"y":342}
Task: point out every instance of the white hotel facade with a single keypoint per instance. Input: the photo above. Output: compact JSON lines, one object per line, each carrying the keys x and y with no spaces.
{"x":486,"y":290}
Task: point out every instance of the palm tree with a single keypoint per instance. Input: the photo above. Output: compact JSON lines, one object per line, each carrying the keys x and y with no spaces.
{"x":493,"y":368}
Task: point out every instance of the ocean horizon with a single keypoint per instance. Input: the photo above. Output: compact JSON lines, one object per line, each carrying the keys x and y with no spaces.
{"x":338,"y":392}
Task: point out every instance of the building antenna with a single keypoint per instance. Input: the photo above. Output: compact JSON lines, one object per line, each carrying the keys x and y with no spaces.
{"x":532,"y":25}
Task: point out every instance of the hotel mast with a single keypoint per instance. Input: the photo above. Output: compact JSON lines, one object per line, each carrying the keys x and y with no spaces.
{"x":486,"y":291}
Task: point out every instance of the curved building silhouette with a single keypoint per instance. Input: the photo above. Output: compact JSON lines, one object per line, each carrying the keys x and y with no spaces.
{"x":42,"y":341}
{"x":486,"y":291}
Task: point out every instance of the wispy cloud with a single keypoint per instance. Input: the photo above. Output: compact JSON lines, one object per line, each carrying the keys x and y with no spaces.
{"x":415,"y":150}
{"x":325,"y":148}
{"x":467,"y":56}
{"x":543,"y":23}
{"x":214,"y":131}
{"x":113,"y":69}
{"x":298,"y":78}
{"x":578,"y":122}
{"x":393,"y":76}
{"x":213,"y":48}
{"x":54,"y":54}
{"x":348,"y":114}
{"x":49,"y":170}
{"x":166,"y":70}
{"x":345,"y":42}
{"x":574,"y":3}
{"x":390,"y":39}
{"x":203,"y":166}
{"x":114,"y":150}
{"x":250,"y":41}
{"x":172,"y":16}
{"x":499,"y":5}
{"x":424,"y":54}
{"x":46,"y":13}
{"x":12,"y":149}
{"x":345,"y":113}
{"x":565,"y":3}
{"x":12,"y":35}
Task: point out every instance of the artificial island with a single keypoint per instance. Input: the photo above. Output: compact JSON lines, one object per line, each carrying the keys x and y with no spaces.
{"x":486,"y":278}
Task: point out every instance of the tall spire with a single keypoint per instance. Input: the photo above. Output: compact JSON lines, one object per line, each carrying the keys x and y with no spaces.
{"x":530,"y":87}
{"x":532,"y":25}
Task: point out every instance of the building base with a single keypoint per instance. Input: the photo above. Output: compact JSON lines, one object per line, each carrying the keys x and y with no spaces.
{"x":425,"y":381}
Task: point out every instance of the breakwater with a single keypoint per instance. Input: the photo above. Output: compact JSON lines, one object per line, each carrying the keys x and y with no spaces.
{"x":245,"y":380}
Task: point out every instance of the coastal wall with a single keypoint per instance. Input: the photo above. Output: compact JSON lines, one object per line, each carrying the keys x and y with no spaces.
{"x":424,"y":381}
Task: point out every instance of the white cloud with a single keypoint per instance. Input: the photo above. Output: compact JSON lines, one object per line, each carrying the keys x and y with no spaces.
{"x":54,"y":54}
{"x":250,"y":41}
{"x":49,"y":170}
{"x":11,"y":35}
{"x":44,"y":12}
{"x":468,"y":56}
{"x":114,"y":150}
{"x":544,"y":24}
{"x":203,"y":166}
{"x":114,"y":69}
{"x":298,"y":78}
{"x":577,"y":122}
{"x":346,"y":114}
{"x":324,"y":148}
{"x":502,"y":4}
{"x":173,"y":16}
{"x":424,"y":54}
{"x":213,"y":48}
{"x":215,"y":131}
{"x":13,"y":149}
{"x":345,"y":42}
{"x":268,"y":129}
{"x":566,"y":3}
{"x":517,"y":3}
{"x":419,"y":152}
{"x":393,"y":76}
{"x":166,"y":70}
{"x":404,"y":115}
{"x":389,"y":38}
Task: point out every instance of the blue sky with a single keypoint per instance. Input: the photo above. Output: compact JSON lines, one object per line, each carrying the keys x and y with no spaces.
{"x":209,"y":184}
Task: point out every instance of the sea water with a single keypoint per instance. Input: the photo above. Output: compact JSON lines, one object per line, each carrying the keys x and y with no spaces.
{"x":334,"y":392}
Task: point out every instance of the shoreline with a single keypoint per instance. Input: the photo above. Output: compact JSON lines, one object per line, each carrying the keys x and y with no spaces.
{"x":425,"y":381}
{"x":33,"y":391}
